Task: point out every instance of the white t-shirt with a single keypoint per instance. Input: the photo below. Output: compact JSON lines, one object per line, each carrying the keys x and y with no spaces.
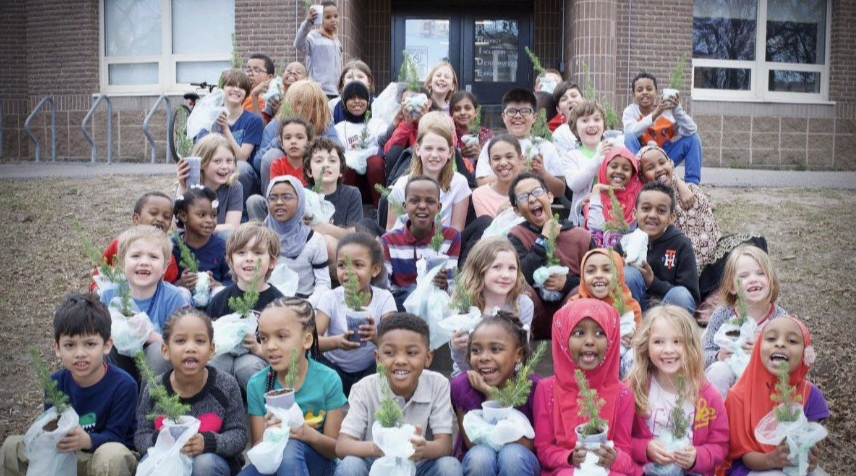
{"x":661,"y":403}
{"x":458,"y":190}
{"x":564,"y":140}
{"x":553,"y":161}
{"x":579,"y":175}
{"x":349,"y":132}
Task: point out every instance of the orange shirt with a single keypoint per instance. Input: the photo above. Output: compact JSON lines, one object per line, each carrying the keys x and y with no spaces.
{"x":248,"y":103}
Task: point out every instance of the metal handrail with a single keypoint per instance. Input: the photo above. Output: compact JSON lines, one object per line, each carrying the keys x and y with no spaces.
{"x":109,"y":127}
{"x":1,"y":127}
{"x":49,"y":98}
{"x":148,"y":134}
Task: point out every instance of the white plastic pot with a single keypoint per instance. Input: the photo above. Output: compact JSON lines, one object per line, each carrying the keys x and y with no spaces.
{"x":320,"y":17}
{"x":669,"y":93}
{"x":591,"y":442}
{"x":493,"y":411}
{"x":282,"y":398}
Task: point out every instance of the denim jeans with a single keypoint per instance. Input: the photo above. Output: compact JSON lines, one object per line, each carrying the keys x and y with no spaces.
{"x":445,"y":466}
{"x":513,"y":459}
{"x":249,"y":179}
{"x":686,"y":148}
{"x":298,"y":459}
{"x":209,"y":464}
{"x":678,"y":295}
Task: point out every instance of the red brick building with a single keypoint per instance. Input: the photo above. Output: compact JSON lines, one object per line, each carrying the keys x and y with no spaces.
{"x":771,"y":83}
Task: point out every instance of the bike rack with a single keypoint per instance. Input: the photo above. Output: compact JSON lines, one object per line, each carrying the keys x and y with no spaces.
{"x":109,"y":127}
{"x":49,"y":98}
{"x":162,"y":98}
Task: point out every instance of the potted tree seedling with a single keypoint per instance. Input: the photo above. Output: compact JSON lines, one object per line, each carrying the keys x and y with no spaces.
{"x":188,"y":261}
{"x":540,"y":134}
{"x":553,"y":265}
{"x":409,"y":75}
{"x":547,"y":85}
{"x":735,"y":332}
{"x":437,"y":258}
{"x":357,"y":156}
{"x":592,"y":433}
{"x":675,"y":78}
{"x":391,"y":434}
{"x":284,"y":397}
{"x":183,"y":148}
{"x":516,"y":391}
{"x":616,"y":226}
{"x":108,"y":275}
{"x":318,"y":210}
{"x":611,"y":120}
{"x":462,"y":313}
{"x":53,"y":395}
{"x":130,"y":328}
{"x":627,"y":320}
{"x":474,"y":129}
{"x":231,"y":329}
{"x":675,"y":437}
{"x":275,"y":88}
{"x":355,"y":300}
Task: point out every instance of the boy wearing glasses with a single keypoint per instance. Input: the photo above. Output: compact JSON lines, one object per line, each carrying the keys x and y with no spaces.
{"x":519,"y":107}
{"x":261,"y":70}
{"x":531,"y":199}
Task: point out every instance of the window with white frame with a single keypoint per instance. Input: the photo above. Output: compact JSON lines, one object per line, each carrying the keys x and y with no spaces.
{"x":767,"y":50}
{"x":156,"y":46}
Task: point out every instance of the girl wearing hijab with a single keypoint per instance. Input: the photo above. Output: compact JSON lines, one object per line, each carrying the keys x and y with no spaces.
{"x":619,"y":171}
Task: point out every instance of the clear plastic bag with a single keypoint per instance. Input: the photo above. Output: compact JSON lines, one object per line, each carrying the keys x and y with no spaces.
{"x":541,"y":275}
{"x":739,"y":359}
{"x":129,"y":333}
{"x":635,"y":246}
{"x":429,"y":302}
{"x":801,"y":436}
{"x":497,"y":435}
{"x":357,"y":159}
{"x":671,"y":444}
{"x":266,"y":456}
{"x":316,"y":207}
{"x":274,"y":91}
{"x":229,"y":333}
{"x":627,"y":327}
{"x":457,"y":321}
{"x":40,"y":444}
{"x":589,"y":466}
{"x":284,"y":279}
{"x":386,"y":105}
{"x":205,"y":113}
{"x":502,"y":224}
{"x":397,"y":449}
{"x":202,"y":290}
{"x":165,"y":457}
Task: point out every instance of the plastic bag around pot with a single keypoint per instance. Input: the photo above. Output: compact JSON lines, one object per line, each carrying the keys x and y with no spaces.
{"x":165,"y":456}
{"x":457,"y":321}
{"x":40,"y":444}
{"x":429,"y":302}
{"x":635,"y":246}
{"x":274,"y":90}
{"x":801,"y":435}
{"x":284,"y":279}
{"x":541,"y":275}
{"x":502,"y":224}
{"x":229,"y":333}
{"x":358,"y":159}
{"x":129,"y":333}
{"x":496,"y":435}
{"x":205,"y":113}
{"x":386,"y":105}
{"x":202,"y":290}
{"x":671,"y":444}
{"x":266,"y":456}
{"x":316,"y":207}
{"x":627,"y":326}
{"x":739,"y":359}
{"x":397,"y":449}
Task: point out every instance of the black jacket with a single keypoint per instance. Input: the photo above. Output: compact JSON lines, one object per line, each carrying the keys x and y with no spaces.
{"x":672,"y":259}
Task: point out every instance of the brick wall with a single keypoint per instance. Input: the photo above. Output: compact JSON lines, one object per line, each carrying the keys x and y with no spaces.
{"x":592,"y":33}
{"x":13,"y":77}
{"x":255,"y":31}
{"x":547,"y":33}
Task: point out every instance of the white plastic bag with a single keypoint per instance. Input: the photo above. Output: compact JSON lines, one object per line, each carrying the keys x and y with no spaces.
{"x":205,"y":113}
{"x":627,"y":327}
{"x":801,"y":436}
{"x":284,"y":280}
{"x":429,"y":302}
{"x":739,"y":359}
{"x":671,"y":444}
{"x":316,"y":207}
{"x":397,"y":450}
{"x":457,"y":321}
{"x":635,"y":246}
{"x":414,"y":104}
{"x":506,"y":430}
{"x":40,"y":444}
{"x":129,"y":333}
{"x":357,"y":159}
{"x":589,"y":466}
{"x":274,"y":91}
{"x":502,"y":224}
{"x":102,"y":283}
{"x":266,"y":456}
{"x":165,"y":457}
{"x":534,"y":148}
{"x":541,"y":275}
{"x":386,"y":105}
{"x":202,"y":290}
{"x":229,"y":333}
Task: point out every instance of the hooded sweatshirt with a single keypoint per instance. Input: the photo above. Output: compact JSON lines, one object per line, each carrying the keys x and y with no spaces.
{"x":672,"y":259}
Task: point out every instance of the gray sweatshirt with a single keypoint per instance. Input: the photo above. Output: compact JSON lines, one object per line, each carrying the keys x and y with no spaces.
{"x":323,"y":56}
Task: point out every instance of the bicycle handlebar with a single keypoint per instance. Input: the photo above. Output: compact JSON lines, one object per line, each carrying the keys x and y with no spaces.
{"x":204,"y":85}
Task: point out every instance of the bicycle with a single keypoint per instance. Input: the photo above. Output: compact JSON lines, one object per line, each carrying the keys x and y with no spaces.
{"x":180,"y":114}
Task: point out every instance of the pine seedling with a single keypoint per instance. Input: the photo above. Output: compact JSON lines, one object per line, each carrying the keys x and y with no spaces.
{"x":590,"y":404}
{"x":397,"y":207}
{"x":785,"y":395}
{"x":389,"y":414}
{"x":536,"y":63}
{"x":475,"y":128}
{"x":741,"y":312}
{"x":677,"y":74}
{"x":517,"y":389}
{"x":183,"y":144}
{"x":616,"y":292}
{"x":316,"y":187}
{"x":437,"y":239}
{"x":112,"y":273}
{"x":354,"y":299}
{"x":610,"y":116}
{"x":364,"y":134}
{"x":53,"y":395}
{"x":188,"y":260}
{"x":125,"y":304}
{"x":236,"y":55}
{"x":243,"y":305}
{"x":616,"y":223}
{"x":166,"y":404}
{"x":552,"y":258}
{"x":462,"y":298}
{"x":307,"y":3}
{"x":408,"y":74}
{"x":540,"y":129}
{"x":588,"y":84}
{"x":678,"y":418}
{"x":293,"y":373}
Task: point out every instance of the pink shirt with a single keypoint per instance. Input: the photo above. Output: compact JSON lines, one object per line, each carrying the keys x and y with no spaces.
{"x":487,"y":202}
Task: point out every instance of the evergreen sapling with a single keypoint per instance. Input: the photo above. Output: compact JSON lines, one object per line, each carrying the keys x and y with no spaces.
{"x":475,"y":128}
{"x":517,"y":389}
{"x":610,"y":116}
{"x":53,"y":395}
{"x":354,"y":298}
{"x":462,"y":298}
{"x":437,"y":239}
{"x":677,"y":74}
{"x":678,"y":418}
{"x":615,"y":291}
{"x":786,"y":396}
{"x":316,"y":187}
{"x":243,"y":305}
{"x":616,"y":222}
{"x":183,"y":144}
{"x":293,"y":373}
{"x":126,"y":306}
{"x":188,"y":260}
{"x":553,"y":236}
{"x":590,"y":404}
{"x":389,"y":415}
{"x":397,"y":207}
{"x":236,"y":55}
{"x":540,"y":129}
{"x":536,"y":63}
{"x":112,"y":273}
{"x":408,"y":74}
{"x":167,"y":404}
{"x":363,"y":143}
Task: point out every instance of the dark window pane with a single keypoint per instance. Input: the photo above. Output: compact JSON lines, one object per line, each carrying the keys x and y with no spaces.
{"x":735,"y":79}
{"x":794,"y":81}
{"x":796,"y":31}
{"x":724,"y":29}
{"x":495,"y":47}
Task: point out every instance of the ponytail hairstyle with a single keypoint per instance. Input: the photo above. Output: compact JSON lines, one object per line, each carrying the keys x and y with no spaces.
{"x":193,"y":193}
{"x":513,"y":326}
{"x":306,"y":317}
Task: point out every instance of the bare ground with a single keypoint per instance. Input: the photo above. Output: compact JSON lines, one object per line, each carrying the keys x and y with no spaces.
{"x":809,"y":234}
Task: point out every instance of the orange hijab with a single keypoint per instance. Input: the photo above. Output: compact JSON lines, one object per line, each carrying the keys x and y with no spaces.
{"x":749,"y":399}
{"x":585,"y":293}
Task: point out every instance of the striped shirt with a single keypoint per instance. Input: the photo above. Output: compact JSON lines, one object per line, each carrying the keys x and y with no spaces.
{"x":401,"y":250}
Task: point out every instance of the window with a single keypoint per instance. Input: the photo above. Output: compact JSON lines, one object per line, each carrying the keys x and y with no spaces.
{"x":767,"y":50}
{"x":156,"y":46}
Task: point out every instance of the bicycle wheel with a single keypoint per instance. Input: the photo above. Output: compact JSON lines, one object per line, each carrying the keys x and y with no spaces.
{"x":179,"y":143}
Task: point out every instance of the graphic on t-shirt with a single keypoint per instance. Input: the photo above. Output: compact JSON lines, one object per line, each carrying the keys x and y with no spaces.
{"x":669,"y":259}
{"x":704,"y":414}
{"x":660,"y":131}
{"x":239,"y":136}
{"x":87,"y":422}
{"x":312,"y":420}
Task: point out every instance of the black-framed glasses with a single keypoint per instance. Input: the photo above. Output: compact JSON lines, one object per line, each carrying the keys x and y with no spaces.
{"x":535,"y":192}
{"x":513,"y":111}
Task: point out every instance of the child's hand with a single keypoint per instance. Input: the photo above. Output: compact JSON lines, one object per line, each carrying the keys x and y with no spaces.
{"x":182,"y":172}
{"x":154,"y":338}
{"x":647,"y":272}
{"x":686,"y":458}
{"x":440,"y":280}
{"x":213,"y":283}
{"x":459,"y":340}
{"x":311,"y":15}
{"x":223,"y":122}
{"x":272,"y":421}
{"x":368,"y":332}
{"x":187,"y":280}
{"x":723,"y":354}
{"x":418,"y":443}
{"x":194,"y":445}
{"x":813,"y":457}
{"x":556,"y":282}
{"x":603,"y":188}
{"x":684,"y":194}
{"x":606,"y":454}
{"x":627,"y":341}
{"x":748,"y":345}
{"x":252,"y":345}
{"x":548,"y":228}
{"x":471,"y":149}
{"x":603,"y":148}
{"x":538,"y":164}
{"x":76,"y":439}
{"x":261,"y":88}
{"x":657,"y":453}
{"x":274,"y":104}
{"x":477,"y":382}
{"x":341,"y":341}
{"x":778,"y":458}
{"x":578,"y":455}
{"x":303,"y":433}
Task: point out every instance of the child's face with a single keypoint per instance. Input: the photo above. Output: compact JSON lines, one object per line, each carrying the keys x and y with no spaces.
{"x":144,"y":263}
{"x":282,"y":202}
{"x":519,"y":125}
{"x":501,"y":276}
{"x":83,"y":356}
{"x":654,"y":165}
{"x":442,"y":81}
{"x":405,"y":354}
{"x":505,"y":162}
{"x":534,"y":209}
{"x":293,"y":73}
{"x":755,"y":283}
{"x":422,"y":204}
{"x":653,"y":213}
{"x":294,"y":140}
{"x":355,"y":74}
{"x":200,"y":217}
{"x":328,"y":161}
{"x":279,"y":332}
{"x":463,"y":113}
{"x":590,"y":129}
{"x":435,"y":153}
{"x":644,"y":92}
{"x":587,"y":344}
{"x":157,"y":211}
{"x":356,"y":105}
{"x":189,"y":347}
{"x":234,"y":94}
{"x":618,"y":172}
{"x":597,"y":274}
{"x":781,"y":341}
{"x":364,"y":269}
{"x":219,"y":168}
{"x":330,"y":22}
{"x":571,"y":98}
{"x":243,"y":262}
{"x":666,"y":348}
{"x":493,"y":354}
{"x":256,"y":71}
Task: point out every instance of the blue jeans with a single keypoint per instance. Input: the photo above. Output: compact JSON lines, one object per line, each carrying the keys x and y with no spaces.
{"x":686,"y":148}
{"x":513,"y":459}
{"x":299,"y":459}
{"x":678,"y":295}
{"x":445,"y":466}
{"x":249,"y":179}
{"x":209,"y":464}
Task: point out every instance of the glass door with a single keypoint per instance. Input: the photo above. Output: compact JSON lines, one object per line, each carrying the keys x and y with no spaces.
{"x":428,"y":38}
{"x":494,"y":59}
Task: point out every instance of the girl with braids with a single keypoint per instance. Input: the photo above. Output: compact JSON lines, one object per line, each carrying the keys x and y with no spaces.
{"x":496,"y":348}
{"x":284,"y":325}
